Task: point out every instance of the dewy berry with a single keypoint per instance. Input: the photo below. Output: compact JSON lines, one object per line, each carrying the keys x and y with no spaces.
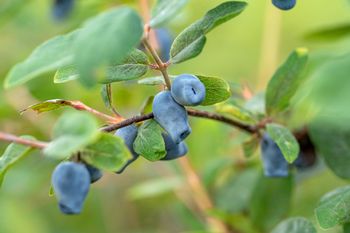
{"x":171,"y":116}
{"x":274,"y":163}
{"x":174,"y":151}
{"x":128,"y":134}
{"x":284,"y":4}
{"x":188,"y":90}
{"x":71,"y":183}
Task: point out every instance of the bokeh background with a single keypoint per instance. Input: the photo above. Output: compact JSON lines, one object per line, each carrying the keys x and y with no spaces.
{"x":245,"y":50}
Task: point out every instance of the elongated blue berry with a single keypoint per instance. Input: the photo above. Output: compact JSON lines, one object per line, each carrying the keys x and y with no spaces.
{"x":274,"y":163}
{"x":171,"y":116}
{"x":128,"y":134}
{"x":188,"y":90}
{"x":71,"y":183}
{"x":284,"y":4}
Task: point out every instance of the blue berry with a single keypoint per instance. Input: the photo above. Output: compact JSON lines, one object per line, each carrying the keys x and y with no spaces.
{"x":71,"y":183}
{"x":188,"y":90}
{"x":128,"y":134}
{"x":284,"y":4}
{"x":174,"y":151}
{"x":274,"y":163}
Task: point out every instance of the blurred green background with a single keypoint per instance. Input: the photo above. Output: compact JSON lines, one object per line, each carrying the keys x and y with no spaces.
{"x":245,"y":50}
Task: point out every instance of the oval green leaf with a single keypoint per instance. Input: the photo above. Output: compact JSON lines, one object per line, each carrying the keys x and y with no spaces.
{"x":190,"y":42}
{"x":334,"y":208}
{"x":165,"y":10}
{"x":149,"y":141}
{"x":286,"y":81}
{"x":285,"y":140}
{"x":108,"y":153}
{"x":72,"y":132}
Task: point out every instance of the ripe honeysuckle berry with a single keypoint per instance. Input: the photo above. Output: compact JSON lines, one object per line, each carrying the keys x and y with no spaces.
{"x":71,"y":183}
{"x":188,"y":90}
{"x":274,"y":163}
{"x":284,"y":4}
{"x":164,"y":41}
{"x":95,"y":173}
{"x":171,"y":116}
{"x":128,"y":134}
{"x":62,"y":8}
{"x":173,"y":150}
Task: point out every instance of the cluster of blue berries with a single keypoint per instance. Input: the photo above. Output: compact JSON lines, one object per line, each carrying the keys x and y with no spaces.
{"x":71,"y":180}
{"x":284,"y":4}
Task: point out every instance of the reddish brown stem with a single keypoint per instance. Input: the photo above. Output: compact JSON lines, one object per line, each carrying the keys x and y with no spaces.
{"x":13,"y":138}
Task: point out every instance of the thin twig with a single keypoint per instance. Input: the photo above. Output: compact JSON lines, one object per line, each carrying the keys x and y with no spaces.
{"x":13,"y":138}
{"x":195,"y":113}
{"x":161,"y":65}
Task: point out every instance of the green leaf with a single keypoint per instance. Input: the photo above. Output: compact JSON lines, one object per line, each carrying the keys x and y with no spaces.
{"x":149,"y":141}
{"x":106,"y":39}
{"x":51,"y":55}
{"x":165,"y":10}
{"x":334,"y":208}
{"x":108,"y":153}
{"x":295,"y":225}
{"x":217,"y":89}
{"x":155,"y":187}
{"x":72,"y":132}
{"x":285,"y":140}
{"x":190,"y":42}
{"x":134,"y":66}
{"x":270,"y":201}
{"x":48,"y":105}
{"x":250,"y":146}
{"x":51,"y":191}
{"x":236,"y":112}
{"x":13,"y":154}
{"x":333,"y":144}
{"x":286,"y":81}
{"x":229,"y":199}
